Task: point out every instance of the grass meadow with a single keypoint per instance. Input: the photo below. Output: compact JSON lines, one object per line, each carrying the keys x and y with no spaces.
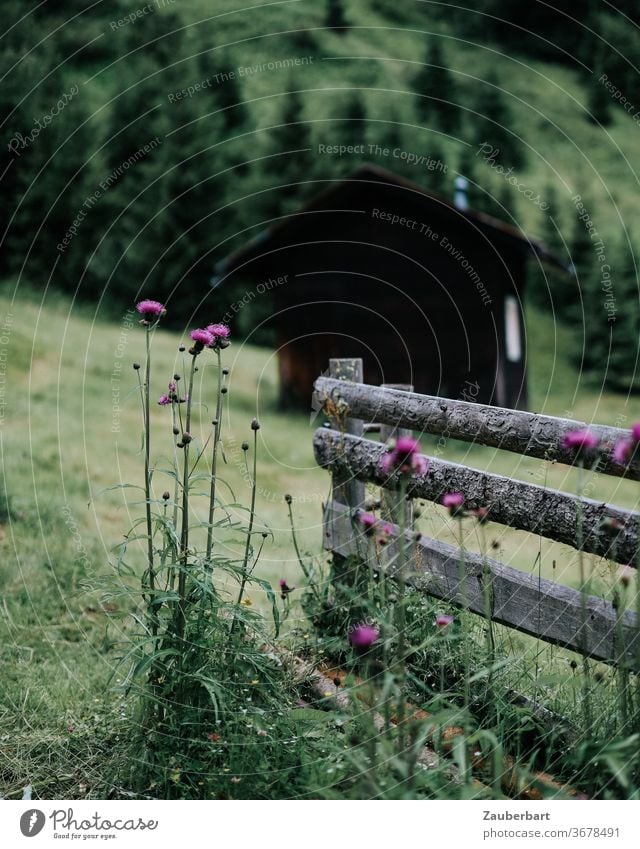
{"x":71,"y":435}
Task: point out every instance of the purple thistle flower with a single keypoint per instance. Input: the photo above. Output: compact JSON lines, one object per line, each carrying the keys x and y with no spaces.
{"x":363,"y":636}
{"x":148,"y":308}
{"x":368,"y":522}
{"x":202,"y":336}
{"x":163,"y":400}
{"x":220,"y":331}
{"x":581,"y":440}
{"x":385,"y":534}
{"x":622,"y":451}
{"x":285,"y":589}
{"x":454,"y":502}
{"x":406,"y":446}
{"x":443,"y":621}
{"x":635,"y":432}
{"x":404,"y":457}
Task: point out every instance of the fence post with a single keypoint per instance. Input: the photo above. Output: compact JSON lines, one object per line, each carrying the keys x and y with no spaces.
{"x":390,"y":506}
{"x":346,"y":489}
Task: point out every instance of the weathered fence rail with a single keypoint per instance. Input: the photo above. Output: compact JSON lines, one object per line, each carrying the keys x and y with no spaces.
{"x":607,"y":531}
{"x":528,"y":434}
{"x":544,"y":609}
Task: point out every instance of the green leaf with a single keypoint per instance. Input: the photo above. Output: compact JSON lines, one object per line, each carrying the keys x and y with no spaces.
{"x":266,"y":586}
{"x":214,"y":695}
{"x":148,"y":660}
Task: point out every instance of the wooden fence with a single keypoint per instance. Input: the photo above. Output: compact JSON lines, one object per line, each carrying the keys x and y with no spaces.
{"x":535,"y":606}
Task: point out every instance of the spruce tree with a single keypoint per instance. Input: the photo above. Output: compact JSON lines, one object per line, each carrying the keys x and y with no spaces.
{"x":553,"y":288}
{"x":611,"y":334}
{"x":350,"y":128}
{"x":335,"y":17}
{"x":437,"y":91}
{"x":621,"y":307}
{"x":599,"y":99}
{"x":393,"y":132}
{"x":438,"y":180}
{"x":552,"y":223}
{"x":583,"y":262}
{"x":284,"y":166}
{"x":498,"y":199}
{"x":229,"y":98}
{"x":493,"y":122}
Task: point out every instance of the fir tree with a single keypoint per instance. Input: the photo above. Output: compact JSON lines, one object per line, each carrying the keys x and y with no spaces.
{"x":229,"y":98}
{"x":335,"y":17}
{"x":611,"y":332}
{"x":620,"y":304}
{"x":351,"y":127}
{"x":551,"y":223}
{"x":437,"y":89}
{"x":291,"y":161}
{"x":582,"y":258}
{"x":438,"y":179}
{"x":552,"y":288}
{"x":493,"y":123}
{"x":598,"y":100}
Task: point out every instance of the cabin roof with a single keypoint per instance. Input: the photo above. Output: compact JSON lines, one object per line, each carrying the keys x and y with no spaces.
{"x":339,"y":190}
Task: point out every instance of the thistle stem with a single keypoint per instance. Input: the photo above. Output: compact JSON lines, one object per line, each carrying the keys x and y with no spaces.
{"x":147,"y":484}
{"x":184,"y":535}
{"x":247,"y":550}
{"x":462,"y":578}
{"x":401,"y":620}
{"x":214,"y":466}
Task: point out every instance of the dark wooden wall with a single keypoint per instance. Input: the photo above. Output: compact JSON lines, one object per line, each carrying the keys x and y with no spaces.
{"x":359,"y":286}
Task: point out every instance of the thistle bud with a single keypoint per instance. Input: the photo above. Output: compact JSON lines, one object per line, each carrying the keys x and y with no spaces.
{"x":136,"y":366}
{"x":186,"y":438}
{"x":182,"y":349}
{"x":288,"y":498}
{"x":223,"y":390}
{"x":481,"y":514}
{"x":166,"y":495}
{"x":176,"y":377}
{"x":245,"y":446}
{"x":176,"y":431}
{"x":225,"y":371}
{"x":255,"y":424}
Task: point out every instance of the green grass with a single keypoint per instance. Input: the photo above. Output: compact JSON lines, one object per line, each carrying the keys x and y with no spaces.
{"x":60,"y":642}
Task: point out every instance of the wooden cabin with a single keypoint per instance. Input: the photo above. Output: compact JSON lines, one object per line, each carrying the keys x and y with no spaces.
{"x":427,"y":292}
